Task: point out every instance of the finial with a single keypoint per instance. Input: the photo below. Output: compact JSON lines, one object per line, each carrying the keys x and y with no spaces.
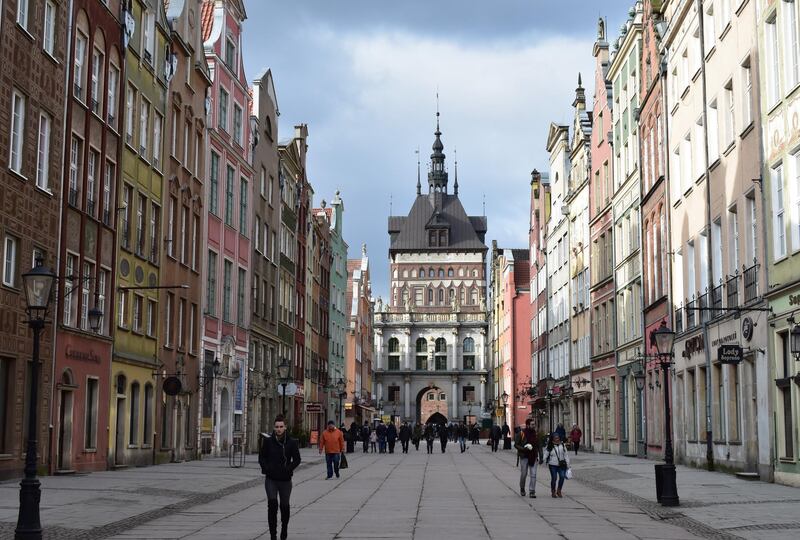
{"x":455,"y":184}
{"x":419,"y":184}
{"x":437,"y":109}
{"x":390,"y":204}
{"x":579,"y":80}
{"x":364,"y":249}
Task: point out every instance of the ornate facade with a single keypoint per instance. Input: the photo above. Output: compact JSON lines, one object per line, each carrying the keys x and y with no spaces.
{"x":431,"y":337}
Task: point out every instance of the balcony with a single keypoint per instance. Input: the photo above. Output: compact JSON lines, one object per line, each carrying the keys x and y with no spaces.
{"x":705,"y":314}
{"x":111,"y":119}
{"x":751,"y":283}
{"x":107,"y":217}
{"x":77,"y":89}
{"x":732,"y":290}
{"x":73,"y":196}
{"x":678,"y":319}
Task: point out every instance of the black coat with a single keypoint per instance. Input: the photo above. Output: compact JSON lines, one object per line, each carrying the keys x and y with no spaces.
{"x":496,"y":432}
{"x":279,"y":459}
{"x":405,"y":433}
{"x":391,"y":433}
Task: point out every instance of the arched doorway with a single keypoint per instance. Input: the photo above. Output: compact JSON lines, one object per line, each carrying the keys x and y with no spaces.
{"x":436,"y":418}
{"x":431,"y":400}
{"x":65,"y":421}
{"x":224,"y":418}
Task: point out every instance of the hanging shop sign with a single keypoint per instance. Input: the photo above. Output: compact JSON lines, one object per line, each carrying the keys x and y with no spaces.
{"x":730,"y":354}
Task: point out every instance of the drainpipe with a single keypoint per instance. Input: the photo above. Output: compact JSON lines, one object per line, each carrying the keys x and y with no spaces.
{"x":709,"y":251}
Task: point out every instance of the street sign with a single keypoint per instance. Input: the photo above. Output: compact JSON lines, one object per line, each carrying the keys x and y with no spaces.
{"x":291,"y":389}
{"x":313,"y":407}
{"x":730,"y":354}
{"x":172,"y":386}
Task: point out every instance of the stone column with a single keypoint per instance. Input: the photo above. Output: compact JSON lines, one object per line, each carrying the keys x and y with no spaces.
{"x":379,"y":390}
{"x":454,"y":412}
{"x":482,"y":350}
{"x":483,"y":392}
{"x":409,"y":351}
{"x":454,"y":352}
{"x":379,"y":349}
{"x":407,"y":398}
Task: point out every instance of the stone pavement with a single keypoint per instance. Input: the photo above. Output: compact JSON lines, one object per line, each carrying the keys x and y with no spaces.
{"x":415,"y":496}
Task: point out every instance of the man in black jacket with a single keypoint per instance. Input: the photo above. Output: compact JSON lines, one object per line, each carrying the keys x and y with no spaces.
{"x":405,"y":436}
{"x":279,"y":457}
{"x":365,"y":436}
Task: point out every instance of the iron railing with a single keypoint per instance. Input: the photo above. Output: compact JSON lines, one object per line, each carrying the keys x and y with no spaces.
{"x":751,"y":283}
{"x":678,"y":319}
{"x":690,"y":314}
{"x":732,"y":290}
{"x":716,"y":301}
{"x":705,"y":314}
{"x":73,"y":197}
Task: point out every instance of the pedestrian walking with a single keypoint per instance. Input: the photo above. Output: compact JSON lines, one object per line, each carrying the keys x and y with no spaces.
{"x":381,"y":429}
{"x":278,"y":457}
{"x":405,"y":436}
{"x":430,"y":436}
{"x":443,"y":435}
{"x":506,"y":436}
{"x":561,"y":432}
{"x":391,"y":436}
{"x":462,"y":436}
{"x":365,"y":436}
{"x":353,"y":434}
{"x":575,"y":437}
{"x":332,"y":443}
{"x":475,"y":434}
{"x":373,"y":441}
{"x":558,"y":463}
{"x":495,"y":435}
{"x":529,"y":453}
{"x":416,"y":436}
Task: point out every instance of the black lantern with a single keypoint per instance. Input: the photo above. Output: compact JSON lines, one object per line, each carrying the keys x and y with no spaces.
{"x":639,"y":377}
{"x":95,"y":319}
{"x":794,"y":342}
{"x":551,"y":382}
{"x":505,"y":398}
{"x":340,"y":384}
{"x":665,"y":339}
{"x":283,"y":371}
{"x":38,"y":282}
{"x":217,"y":368}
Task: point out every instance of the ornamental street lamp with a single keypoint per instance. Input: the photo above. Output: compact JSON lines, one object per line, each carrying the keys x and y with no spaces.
{"x":340,"y":388}
{"x":95,"y":319}
{"x":505,"y":397}
{"x":38,"y":284}
{"x":665,"y":341}
{"x":551,"y":383}
{"x":795,"y":341}
{"x":283,"y":379}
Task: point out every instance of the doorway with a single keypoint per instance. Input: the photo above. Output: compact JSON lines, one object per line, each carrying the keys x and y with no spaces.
{"x":66,"y":398}
{"x":119,"y":440}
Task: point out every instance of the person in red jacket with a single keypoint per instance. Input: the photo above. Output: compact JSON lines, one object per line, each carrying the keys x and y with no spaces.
{"x":575,"y":436}
{"x":332,"y":443}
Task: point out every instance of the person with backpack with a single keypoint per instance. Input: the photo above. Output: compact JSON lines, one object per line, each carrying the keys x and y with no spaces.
{"x":528,"y":451}
{"x":430,"y":436}
{"x":558,"y":463}
{"x":278,"y":457}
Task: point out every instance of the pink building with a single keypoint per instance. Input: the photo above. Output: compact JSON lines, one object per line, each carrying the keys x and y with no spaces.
{"x":228,"y":213}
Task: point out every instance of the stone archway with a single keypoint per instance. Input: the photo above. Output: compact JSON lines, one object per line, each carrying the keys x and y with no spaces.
{"x":436,"y":418}
{"x":431,"y":400}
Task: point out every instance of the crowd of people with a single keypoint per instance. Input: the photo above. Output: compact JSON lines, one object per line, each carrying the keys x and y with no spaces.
{"x":279,"y":455}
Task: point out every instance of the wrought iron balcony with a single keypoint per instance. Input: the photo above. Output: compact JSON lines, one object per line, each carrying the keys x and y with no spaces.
{"x":716,"y":301}
{"x":732,"y":290}
{"x":72,"y":198}
{"x":751,"y":283}
{"x":690,"y":314}
{"x":705,"y":314}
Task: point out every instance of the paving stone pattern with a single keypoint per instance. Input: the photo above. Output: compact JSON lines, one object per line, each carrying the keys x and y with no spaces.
{"x":415,"y":496}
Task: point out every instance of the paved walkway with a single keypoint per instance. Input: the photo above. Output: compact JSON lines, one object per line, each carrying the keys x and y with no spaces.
{"x":415,"y":496}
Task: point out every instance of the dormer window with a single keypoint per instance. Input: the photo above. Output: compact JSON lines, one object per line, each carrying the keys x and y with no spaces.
{"x":433,"y":238}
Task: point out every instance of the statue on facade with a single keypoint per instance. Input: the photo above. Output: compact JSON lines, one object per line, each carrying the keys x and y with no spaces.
{"x":601,"y":29}
{"x":455,"y":304}
{"x":379,"y":305}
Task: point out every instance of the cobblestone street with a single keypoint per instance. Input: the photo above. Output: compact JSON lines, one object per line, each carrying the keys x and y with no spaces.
{"x":471,"y":495}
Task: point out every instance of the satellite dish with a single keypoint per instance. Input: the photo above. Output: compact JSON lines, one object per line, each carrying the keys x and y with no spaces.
{"x":172,"y":386}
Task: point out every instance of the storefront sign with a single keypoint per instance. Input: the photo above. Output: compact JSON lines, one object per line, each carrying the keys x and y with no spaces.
{"x":730,"y":354}
{"x":694,"y":345}
{"x":172,"y":386}
{"x":794,"y":300}
{"x":313,"y":407}
{"x":747,"y":328}
{"x":89,"y":356}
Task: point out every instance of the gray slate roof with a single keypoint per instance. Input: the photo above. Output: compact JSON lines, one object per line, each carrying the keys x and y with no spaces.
{"x":409,"y":233}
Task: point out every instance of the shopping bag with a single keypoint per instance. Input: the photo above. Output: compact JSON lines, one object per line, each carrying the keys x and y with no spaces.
{"x":569,"y":473}
{"x":343,"y":461}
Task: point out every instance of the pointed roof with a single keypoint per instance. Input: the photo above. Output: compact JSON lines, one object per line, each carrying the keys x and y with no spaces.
{"x":410,"y":233}
{"x":207,"y":19}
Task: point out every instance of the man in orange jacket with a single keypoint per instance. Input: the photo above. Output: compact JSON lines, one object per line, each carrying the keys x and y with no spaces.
{"x":332,"y":443}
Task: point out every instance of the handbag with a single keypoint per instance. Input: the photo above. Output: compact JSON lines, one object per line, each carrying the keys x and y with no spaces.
{"x":343,"y":461}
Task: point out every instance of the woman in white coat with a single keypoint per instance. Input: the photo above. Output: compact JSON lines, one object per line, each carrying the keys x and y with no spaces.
{"x":557,"y":459}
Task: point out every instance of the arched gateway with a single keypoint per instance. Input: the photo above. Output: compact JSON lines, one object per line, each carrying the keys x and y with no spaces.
{"x":431,"y":402}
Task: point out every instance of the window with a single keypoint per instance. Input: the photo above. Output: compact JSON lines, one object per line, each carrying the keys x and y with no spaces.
{"x":422,"y":354}
{"x":10,"y":261}
{"x":440,"y":354}
{"x":43,"y":153}
{"x":394,"y":354}
{"x":241,"y":284}
{"x":148,"y":415}
{"x":144,"y":122}
{"x":772,"y":63}
{"x":779,"y":225}
{"x":148,"y":35}
{"x":222,"y":114}
{"x":141,"y":210}
{"x":134,"y":415}
{"x":183,"y":235}
{"x":69,"y":286}
{"x":122,"y":309}
{"x":172,"y":209}
{"x":237,"y":124}
{"x":88,"y":275}
{"x":192,"y":322}
{"x":230,"y":54}
{"x":174,"y":135}
{"x":49,"y":27}
{"x":243,"y":207}
{"x":80,"y":60}
{"x":74,"y":171}
{"x":169,"y":302}
{"x":257,"y":235}
{"x":22,"y":13}
{"x":108,"y":178}
{"x":733,"y":251}
{"x":152,"y":318}
{"x":127,"y":193}
{"x":469,"y":353}
{"x":102,"y":291}
{"x":17,"y":132}
{"x":729,"y":125}
{"x":195,"y":243}
{"x":709,"y":36}
{"x":138,"y":313}
{"x":181,"y":322}
{"x":226,"y":291}
{"x":90,"y":429}
{"x":111,"y":98}
{"x":97,"y":81}
{"x":187,"y":129}
{"x":91,"y":182}
{"x":214,"y":176}
{"x":747,"y":93}
{"x":155,"y":244}
{"x":229,"y":196}
{"x":791,"y":55}
{"x":158,"y":120}
{"x":211,"y":289}
{"x":130,"y":103}
{"x":795,"y":198}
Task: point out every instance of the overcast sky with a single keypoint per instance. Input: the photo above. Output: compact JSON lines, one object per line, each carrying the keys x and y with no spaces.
{"x":363,"y":74}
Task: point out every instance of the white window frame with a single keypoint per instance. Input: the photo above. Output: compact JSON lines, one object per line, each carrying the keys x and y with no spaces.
{"x":17,"y":132}
{"x":23,"y":13}
{"x":43,"y":153}
{"x":778,"y":214}
{"x":49,"y":27}
{"x":10,"y":251}
{"x":81,"y":42}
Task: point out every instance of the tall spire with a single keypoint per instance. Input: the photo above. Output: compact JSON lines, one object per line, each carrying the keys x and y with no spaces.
{"x":580,"y":95}
{"x":455,"y":183}
{"x":419,"y":184}
{"x":437,"y":177}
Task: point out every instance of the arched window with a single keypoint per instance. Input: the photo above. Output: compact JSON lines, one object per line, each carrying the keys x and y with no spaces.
{"x":431,"y":273}
{"x":474,"y":297}
{"x":441,"y":272}
{"x":452,"y":294}
{"x":450,"y":272}
{"x":460,"y":272}
{"x":430,"y":296}
{"x":133,"y":435}
{"x":469,"y":353}
{"x":394,"y":354}
{"x":147,"y":434}
{"x":441,"y":296}
{"x":441,"y":354}
{"x":405,"y":273}
{"x":421,"y":272}
{"x":422,"y":354}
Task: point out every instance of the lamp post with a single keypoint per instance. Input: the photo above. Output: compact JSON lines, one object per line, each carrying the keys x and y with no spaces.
{"x":340,"y":389}
{"x":283,"y":378}
{"x":665,"y":340}
{"x":504,"y":397}
{"x":794,"y":344}
{"x":551,"y":382}
{"x":38,"y":284}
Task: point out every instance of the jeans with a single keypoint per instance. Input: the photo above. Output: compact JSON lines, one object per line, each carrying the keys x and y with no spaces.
{"x":556,"y":471}
{"x":332,"y":462}
{"x":463,"y":443}
{"x":382,"y":445}
{"x":275,"y":489}
{"x":527,"y":470}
